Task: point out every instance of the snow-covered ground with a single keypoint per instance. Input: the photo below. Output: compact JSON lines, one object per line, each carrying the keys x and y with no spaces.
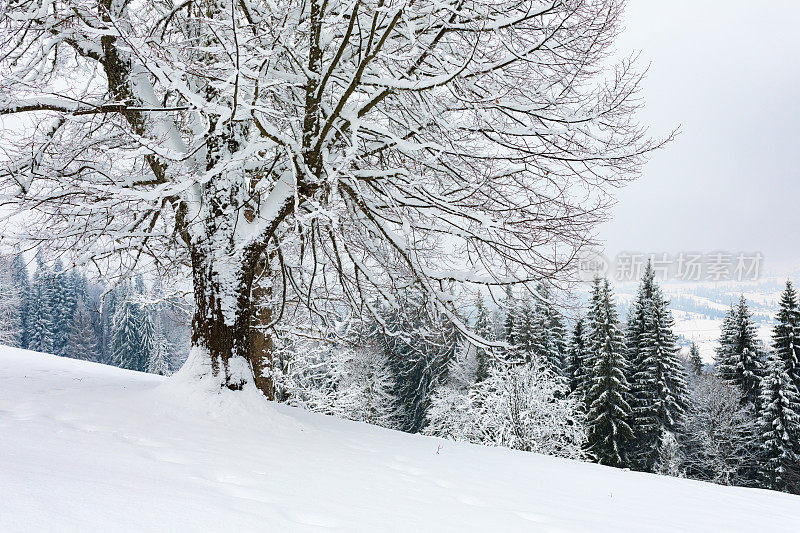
{"x":90,"y":447}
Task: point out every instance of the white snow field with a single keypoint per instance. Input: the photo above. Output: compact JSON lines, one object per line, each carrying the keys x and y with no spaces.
{"x":94,"y":448}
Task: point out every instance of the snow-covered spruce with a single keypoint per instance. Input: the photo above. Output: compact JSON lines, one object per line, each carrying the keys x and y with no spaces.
{"x":578,"y":370}
{"x":657,"y":376}
{"x":40,"y":307}
{"x":779,"y":428}
{"x":129,"y":342}
{"x":786,"y":334}
{"x":82,"y":340}
{"x":483,"y":329}
{"x":12,"y":301}
{"x":547,"y":328}
{"x":420,"y":344}
{"x":696,"y":364}
{"x":608,"y":397}
{"x":739,"y":359}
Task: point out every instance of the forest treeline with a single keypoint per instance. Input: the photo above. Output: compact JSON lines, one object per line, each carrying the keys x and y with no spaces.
{"x":593,"y":388}
{"x":60,"y":310}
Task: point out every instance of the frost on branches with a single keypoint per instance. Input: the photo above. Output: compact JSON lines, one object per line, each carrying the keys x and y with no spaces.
{"x":351,"y":382}
{"x":522,"y":406}
{"x":313,"y":143}
{"x":721,"y":439}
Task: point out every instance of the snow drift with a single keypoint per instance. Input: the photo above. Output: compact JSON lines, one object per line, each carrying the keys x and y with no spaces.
{"x":86,"y":446}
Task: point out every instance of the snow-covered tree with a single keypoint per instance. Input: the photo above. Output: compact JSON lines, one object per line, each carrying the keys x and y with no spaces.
{"x":20,"y":280}
{"x":548,"y":330}
{"x":786,"y":334}
{"x":779,"y":428}
{"x":158,"y":361}
{"x":578,"y":371}
{"x":669,"y":459}
{"x":453,"y":415}
{"x":720,"y":440}
{"x":695,"y":361}
{"x":40,"y":308}
{"x":640,"y":388}
{"x":111,"y":300}
{"x":608,"y":397}
{"x":148,"y":333}
{"x":82,"y":343}
{"x":510,"y":311}
{"x":419,"y":344}
{"x":63,"y":308}
{"x":366,"y":388}
{"x":128,"y":336}
{"x":522,"y":406}
{"x":350,"y":380}
{"x":484,"y":330}
{"x":658,"y":382}
{"x":10,"y":305}
{"x":636,"y":325}
{"x":259,"y":140}
{"x":524,"y":332}
{"x":739,"y":360}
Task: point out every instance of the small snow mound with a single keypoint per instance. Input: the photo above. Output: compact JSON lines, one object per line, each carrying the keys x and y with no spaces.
{"x":197,"y":390}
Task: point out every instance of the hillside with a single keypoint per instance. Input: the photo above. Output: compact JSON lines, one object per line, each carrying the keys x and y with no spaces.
{"x":87,"y":446}
{"x":699,"y":307}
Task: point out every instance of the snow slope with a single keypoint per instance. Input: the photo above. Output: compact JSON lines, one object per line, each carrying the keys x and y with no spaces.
{"x":85,"y":446}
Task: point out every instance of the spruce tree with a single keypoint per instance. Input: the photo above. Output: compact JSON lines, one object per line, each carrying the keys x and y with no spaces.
{"x":661,"y":391}
{"x":510,"y":305}
{"x":127,"y":337}
{"x":40,"y":319}
{"x":786,"y":334}
{"x":726,"y":333}
{"x":638,"y":374}
{"x":109,"y":304}
{"x":147,"y":330}
{"x":63,"y":308}
{"x":420,"y":344}
{"x":695,"y":362}
{"x":780,"y":428}
{"x":609,"y":431}
{"x":19,"y":277}
{"x":82,"y":343}
{"x":524,"y":332}
{"x":577,"y":371}
{"x":739,"y":360}
{"x":10,"y":303}
{"x":548,"y":331}
{"x":158,"y":362}
{"x":484,"y":330}
{"x":637,"y":320}
{"x":559,"y":336}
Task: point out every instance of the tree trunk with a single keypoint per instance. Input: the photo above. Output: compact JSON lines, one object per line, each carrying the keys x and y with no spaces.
{"x":223,"y":320}
{"x":262,"y":345}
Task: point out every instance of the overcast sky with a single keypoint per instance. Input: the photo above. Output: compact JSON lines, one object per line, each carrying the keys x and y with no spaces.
{"x":728,"y":73}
